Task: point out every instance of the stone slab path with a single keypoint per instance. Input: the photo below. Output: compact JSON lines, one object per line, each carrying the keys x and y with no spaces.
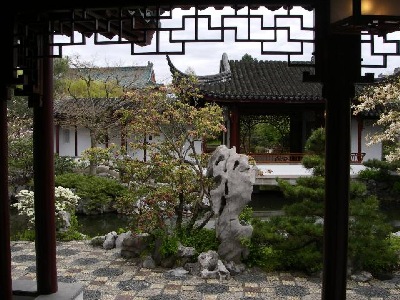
{"x":105,"y":275}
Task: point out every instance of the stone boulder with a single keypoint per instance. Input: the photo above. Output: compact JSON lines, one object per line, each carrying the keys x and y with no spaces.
{"x":234,"y":178}
{"x":134,"y":245}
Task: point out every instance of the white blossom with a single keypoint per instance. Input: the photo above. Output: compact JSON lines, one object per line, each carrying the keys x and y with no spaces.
{"x":386,"y":97}
{"x":65,"y":200}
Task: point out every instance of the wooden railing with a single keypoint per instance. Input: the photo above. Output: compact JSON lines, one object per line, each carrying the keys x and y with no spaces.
{"x":356,"y":158}
{"x":277,"y":158}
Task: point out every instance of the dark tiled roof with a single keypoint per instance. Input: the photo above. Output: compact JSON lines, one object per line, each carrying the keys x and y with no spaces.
{"x":94,"y":106}
{"x":259,"y":81}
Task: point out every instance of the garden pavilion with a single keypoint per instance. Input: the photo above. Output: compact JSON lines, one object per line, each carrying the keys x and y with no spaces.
{"x":28,"y":29}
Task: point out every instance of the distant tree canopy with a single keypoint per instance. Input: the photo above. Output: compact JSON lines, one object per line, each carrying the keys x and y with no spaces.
{"x":259,"y":132}
{"x":248,"y":57}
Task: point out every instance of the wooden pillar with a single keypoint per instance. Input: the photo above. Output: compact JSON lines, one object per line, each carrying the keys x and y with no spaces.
{"x":43,"y":156}
{"x":5,"y":252}
{"x":6,"y":63}
{"x":343,"y":67}
{"x":76,"y":140}
{"x":360,"y":126}
{"x":58,"y":139}
{"x":235,"y":128}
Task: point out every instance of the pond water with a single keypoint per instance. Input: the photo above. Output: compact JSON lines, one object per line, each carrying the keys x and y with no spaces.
{"x":264,"y":204}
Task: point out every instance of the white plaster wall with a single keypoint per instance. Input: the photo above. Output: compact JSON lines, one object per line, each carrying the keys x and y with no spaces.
{"x":371,"y":152}
{"x":83,"y":140}
{"x":66,"y":148}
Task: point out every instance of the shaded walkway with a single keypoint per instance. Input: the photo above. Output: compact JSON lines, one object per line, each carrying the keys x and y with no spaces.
{"x":107,"y":276}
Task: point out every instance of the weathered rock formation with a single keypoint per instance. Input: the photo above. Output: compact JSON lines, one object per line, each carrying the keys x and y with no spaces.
{"x":234,"y":178}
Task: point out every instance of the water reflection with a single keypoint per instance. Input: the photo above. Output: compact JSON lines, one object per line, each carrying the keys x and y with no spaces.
{"x":101,"y":224}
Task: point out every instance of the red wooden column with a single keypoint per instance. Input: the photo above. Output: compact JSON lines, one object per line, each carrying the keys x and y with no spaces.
{"x":5,"y":252}
{"x":76,"y":140}
{"x":43,"y":156}
{"x":6,"y":63}
{"x":234,"y":128}
{"x":360,"y":127}
{"x":58,"y":139}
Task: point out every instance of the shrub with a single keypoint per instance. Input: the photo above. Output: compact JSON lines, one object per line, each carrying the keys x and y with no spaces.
{"x":20,"y":161}
{"x":294,"y":241}
{"x":65,"y":200}
{"x":97,"y":193}
{"x":64,"y":164}
{"x":369,"y":232}
{"x":202,"y":240}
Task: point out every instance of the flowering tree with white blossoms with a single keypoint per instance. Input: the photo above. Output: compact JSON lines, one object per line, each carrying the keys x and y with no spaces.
{"x":385,"y":98}
{"x":65,"y":201}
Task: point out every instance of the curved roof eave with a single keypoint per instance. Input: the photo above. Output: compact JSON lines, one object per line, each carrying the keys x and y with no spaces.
{"x":219,"y":77}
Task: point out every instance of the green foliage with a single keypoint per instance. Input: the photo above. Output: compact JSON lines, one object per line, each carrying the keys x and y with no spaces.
{"x":280,"y":244}
{"x":96,"y":156}
{"x":20,"y":160}
{"x":381,"y":164}
{"x":378,"y":170}
{"x":72,"y":234}
{"x":314,"y":162}
{"x":60,"y":71}
{"x":394,"y":242}
{"x":249,"y":58}
{"x":315,"y":144}
{"x":63,"y":164}
{"x":369,"y":243}
{"x":246,"y":216}
{"x":95,"y":192}
{"x":307,"y":188}
{"x":169,"y":243}
{"x":260,"y":133}
{"x":24,"y":235}
{"x":171,"y":180}
{"x":202,"y":240}
{"x":383,"y":172}
{"x":315,"y":152}
{"x":295,"y":240}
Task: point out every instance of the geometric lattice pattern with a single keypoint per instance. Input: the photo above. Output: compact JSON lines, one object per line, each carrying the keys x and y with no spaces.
{"x":380,"y":48}
{"x":278,"y":30}
{"x":161,"y":30}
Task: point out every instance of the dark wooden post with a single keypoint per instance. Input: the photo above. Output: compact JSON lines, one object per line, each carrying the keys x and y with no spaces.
{"x":76,"y":141}
{"x":58,"y":139}
{"x":6,"y":63}
{"x":5,"y":252}
{"x":343,"y":68}
{"x":235,"y":128}
{"x":43,"y":153}
{"x":360,"y":127}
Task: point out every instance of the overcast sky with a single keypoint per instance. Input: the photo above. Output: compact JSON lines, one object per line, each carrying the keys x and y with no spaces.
{"x":204,"y":58}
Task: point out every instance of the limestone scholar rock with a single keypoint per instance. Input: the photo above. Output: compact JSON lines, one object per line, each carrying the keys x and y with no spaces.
{"x":234,"y":178}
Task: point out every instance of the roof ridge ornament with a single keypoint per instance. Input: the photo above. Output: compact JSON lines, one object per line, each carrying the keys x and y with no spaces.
{"x":224,"y":74}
